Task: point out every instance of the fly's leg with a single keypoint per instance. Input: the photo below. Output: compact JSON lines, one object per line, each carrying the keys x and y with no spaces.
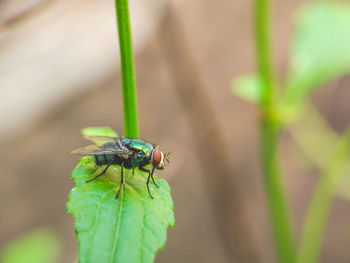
{"x":148,"y":185}
{"x":121,"y":180}
{"x":149,"y":176}
{"x":97,"y":176}
{"x":133,"y":171}
{"x":153,"y":178}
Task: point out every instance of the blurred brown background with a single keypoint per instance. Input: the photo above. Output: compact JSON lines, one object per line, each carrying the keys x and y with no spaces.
{"x":59,"y":73}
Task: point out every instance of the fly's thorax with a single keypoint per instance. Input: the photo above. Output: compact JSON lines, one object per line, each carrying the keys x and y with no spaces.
{"x":142,"y":149}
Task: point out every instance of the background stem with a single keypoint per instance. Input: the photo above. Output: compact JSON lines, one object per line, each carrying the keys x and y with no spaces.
{"x":127,"y":70}
{"x":320,"y":206}
{"x":315,"y":222}
{"x":269,"y":137}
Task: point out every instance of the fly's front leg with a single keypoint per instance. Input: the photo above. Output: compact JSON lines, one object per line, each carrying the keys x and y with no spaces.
{"x":153,"y":178}
{"x":97,"y":176}
{"x":121,"y":180}
{"x":149,"y":176}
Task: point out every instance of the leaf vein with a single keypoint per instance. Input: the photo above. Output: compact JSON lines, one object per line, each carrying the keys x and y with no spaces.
{"x":115,"y":242}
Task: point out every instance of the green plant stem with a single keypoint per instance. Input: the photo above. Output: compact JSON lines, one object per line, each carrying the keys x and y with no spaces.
{"x":318,"y":212}
{"x":315,"y":222}
{"x":127,"y":70}
{"x":263,"y":45}
{"x":276,"y":196}
{"x":269,"y":137}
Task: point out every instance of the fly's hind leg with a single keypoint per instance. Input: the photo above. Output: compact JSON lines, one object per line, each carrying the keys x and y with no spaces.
{"x":121,"y":180}
{"x":97,"y":176}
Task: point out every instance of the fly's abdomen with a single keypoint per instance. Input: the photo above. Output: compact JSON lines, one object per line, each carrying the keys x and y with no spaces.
{"x":107,"y":159}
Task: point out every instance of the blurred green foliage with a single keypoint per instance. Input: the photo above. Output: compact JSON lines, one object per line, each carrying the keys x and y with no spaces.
{"x":248,"y":87}
{"x":98,"y":131}
{"x":319,"y":49}
{"x":320,"y":52}
{"x":38,"y":246}
{"x":321,"y":40}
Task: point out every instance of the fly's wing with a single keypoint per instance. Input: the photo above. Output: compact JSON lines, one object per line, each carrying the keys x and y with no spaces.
{"x":110,"y":147}
{"x":91,"y":150}
{"x":117,"y":147}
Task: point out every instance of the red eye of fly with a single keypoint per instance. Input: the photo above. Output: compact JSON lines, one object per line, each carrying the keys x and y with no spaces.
{"x":156,"y":157}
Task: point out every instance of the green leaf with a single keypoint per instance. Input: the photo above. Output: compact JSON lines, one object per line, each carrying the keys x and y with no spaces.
{"x":312,"y":133}
{"x":343,"y":189}
{"x":320,"y":48}
{"x":39,"y":246}
{"x":98,"y":131}
{"x":340,"y":166}
{"x":247,"y":87}
{"x":130,"y":229}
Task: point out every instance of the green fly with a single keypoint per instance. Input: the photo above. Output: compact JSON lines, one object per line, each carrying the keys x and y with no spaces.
{"x":126,"y":152}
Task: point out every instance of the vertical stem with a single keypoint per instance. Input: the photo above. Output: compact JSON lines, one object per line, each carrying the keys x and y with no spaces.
{"x":322,"y":199}
{"x":127,"y":70}
{"x":315,"y":222}
{"x":269,"y":137}
{"x":276,"y":196}
{"x":263,"y":45}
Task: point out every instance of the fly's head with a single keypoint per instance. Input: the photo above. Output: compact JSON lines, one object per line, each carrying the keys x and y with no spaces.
{"x":159,"y":157}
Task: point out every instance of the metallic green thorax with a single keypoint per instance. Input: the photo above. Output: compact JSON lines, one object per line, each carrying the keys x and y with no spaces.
{"x":143,"y":149}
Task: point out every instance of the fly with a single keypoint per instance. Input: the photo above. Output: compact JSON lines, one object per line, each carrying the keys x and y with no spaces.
{"x":126,"y":152}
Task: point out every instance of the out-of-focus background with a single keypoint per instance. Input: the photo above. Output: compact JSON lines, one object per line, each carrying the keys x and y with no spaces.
{"x":59,"y":72}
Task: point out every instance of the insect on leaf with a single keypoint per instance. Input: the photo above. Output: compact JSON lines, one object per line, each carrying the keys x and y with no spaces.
{"x":130,"y":229}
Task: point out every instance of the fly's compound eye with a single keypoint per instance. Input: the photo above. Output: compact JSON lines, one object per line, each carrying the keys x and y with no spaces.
{"x":158,"y":158}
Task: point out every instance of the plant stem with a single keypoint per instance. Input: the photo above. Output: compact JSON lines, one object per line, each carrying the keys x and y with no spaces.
{"x":264,"y":62}
{"x":275,"y":192}
{"x":127,"y":70}
{"x":269,"y":137}
{"x":318,"y":212}
{"x":315,"y":222}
